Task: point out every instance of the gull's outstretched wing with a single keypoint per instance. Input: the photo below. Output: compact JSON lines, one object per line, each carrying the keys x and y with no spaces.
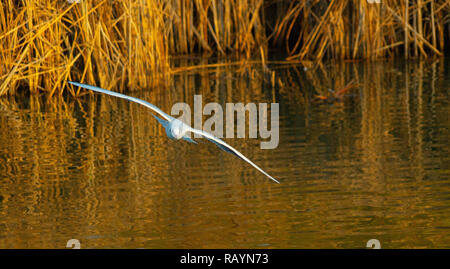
{"x":224,"y":146}
{"x":129,"y":98}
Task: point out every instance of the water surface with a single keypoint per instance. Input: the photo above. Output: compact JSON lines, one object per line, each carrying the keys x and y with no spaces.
{"x":373,"y":162}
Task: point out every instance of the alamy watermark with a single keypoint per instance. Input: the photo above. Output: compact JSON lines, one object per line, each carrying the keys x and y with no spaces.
{"x":73,"y":244}
{"x":373,"y":244}
{"x":258,"y":119}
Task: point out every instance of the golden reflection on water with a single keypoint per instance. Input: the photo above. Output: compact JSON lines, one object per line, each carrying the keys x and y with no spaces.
{"x":374,"y":164}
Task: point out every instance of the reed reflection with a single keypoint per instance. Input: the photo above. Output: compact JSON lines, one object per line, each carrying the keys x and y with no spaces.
{"x":372,"y":164}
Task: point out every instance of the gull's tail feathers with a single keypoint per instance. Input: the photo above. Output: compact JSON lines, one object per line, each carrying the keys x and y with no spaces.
{"x":164,"y":123}
{"x":188,"y":139}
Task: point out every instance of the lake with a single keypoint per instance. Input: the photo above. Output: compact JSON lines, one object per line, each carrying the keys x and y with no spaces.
{"x":367,"y":162}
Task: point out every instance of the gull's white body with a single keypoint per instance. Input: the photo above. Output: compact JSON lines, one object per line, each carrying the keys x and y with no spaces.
{"x":175,"y":129}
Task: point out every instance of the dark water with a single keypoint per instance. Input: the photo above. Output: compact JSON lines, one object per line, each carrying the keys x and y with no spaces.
{"x":371,"y":162}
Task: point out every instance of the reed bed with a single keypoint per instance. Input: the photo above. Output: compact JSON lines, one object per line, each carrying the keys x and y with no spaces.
{"x":130,"y":44}
{"x":358,"y":29}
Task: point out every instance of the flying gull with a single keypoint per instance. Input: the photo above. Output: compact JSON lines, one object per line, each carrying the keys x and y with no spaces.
{"x":176,"y":129}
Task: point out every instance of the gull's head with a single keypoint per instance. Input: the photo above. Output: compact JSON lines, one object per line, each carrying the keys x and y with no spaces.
{"x":177,"y":129}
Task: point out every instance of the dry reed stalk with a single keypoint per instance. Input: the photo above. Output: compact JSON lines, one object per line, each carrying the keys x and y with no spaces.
{"x":406,"y":19}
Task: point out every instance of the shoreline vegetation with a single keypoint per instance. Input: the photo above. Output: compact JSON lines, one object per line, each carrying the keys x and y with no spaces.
{"x":132,"y":44}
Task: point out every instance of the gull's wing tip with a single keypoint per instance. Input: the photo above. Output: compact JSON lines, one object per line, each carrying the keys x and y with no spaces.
{"x":77,"y":84}
{"x":275,"y":180}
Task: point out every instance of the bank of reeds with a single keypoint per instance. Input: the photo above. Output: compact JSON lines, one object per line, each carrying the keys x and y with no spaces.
{"x":129,"y":44}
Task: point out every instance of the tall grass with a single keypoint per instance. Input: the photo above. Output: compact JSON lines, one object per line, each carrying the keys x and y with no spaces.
{"x":129,"y":43}
{"x":357,"y":29}
{"x":114,"y":44}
